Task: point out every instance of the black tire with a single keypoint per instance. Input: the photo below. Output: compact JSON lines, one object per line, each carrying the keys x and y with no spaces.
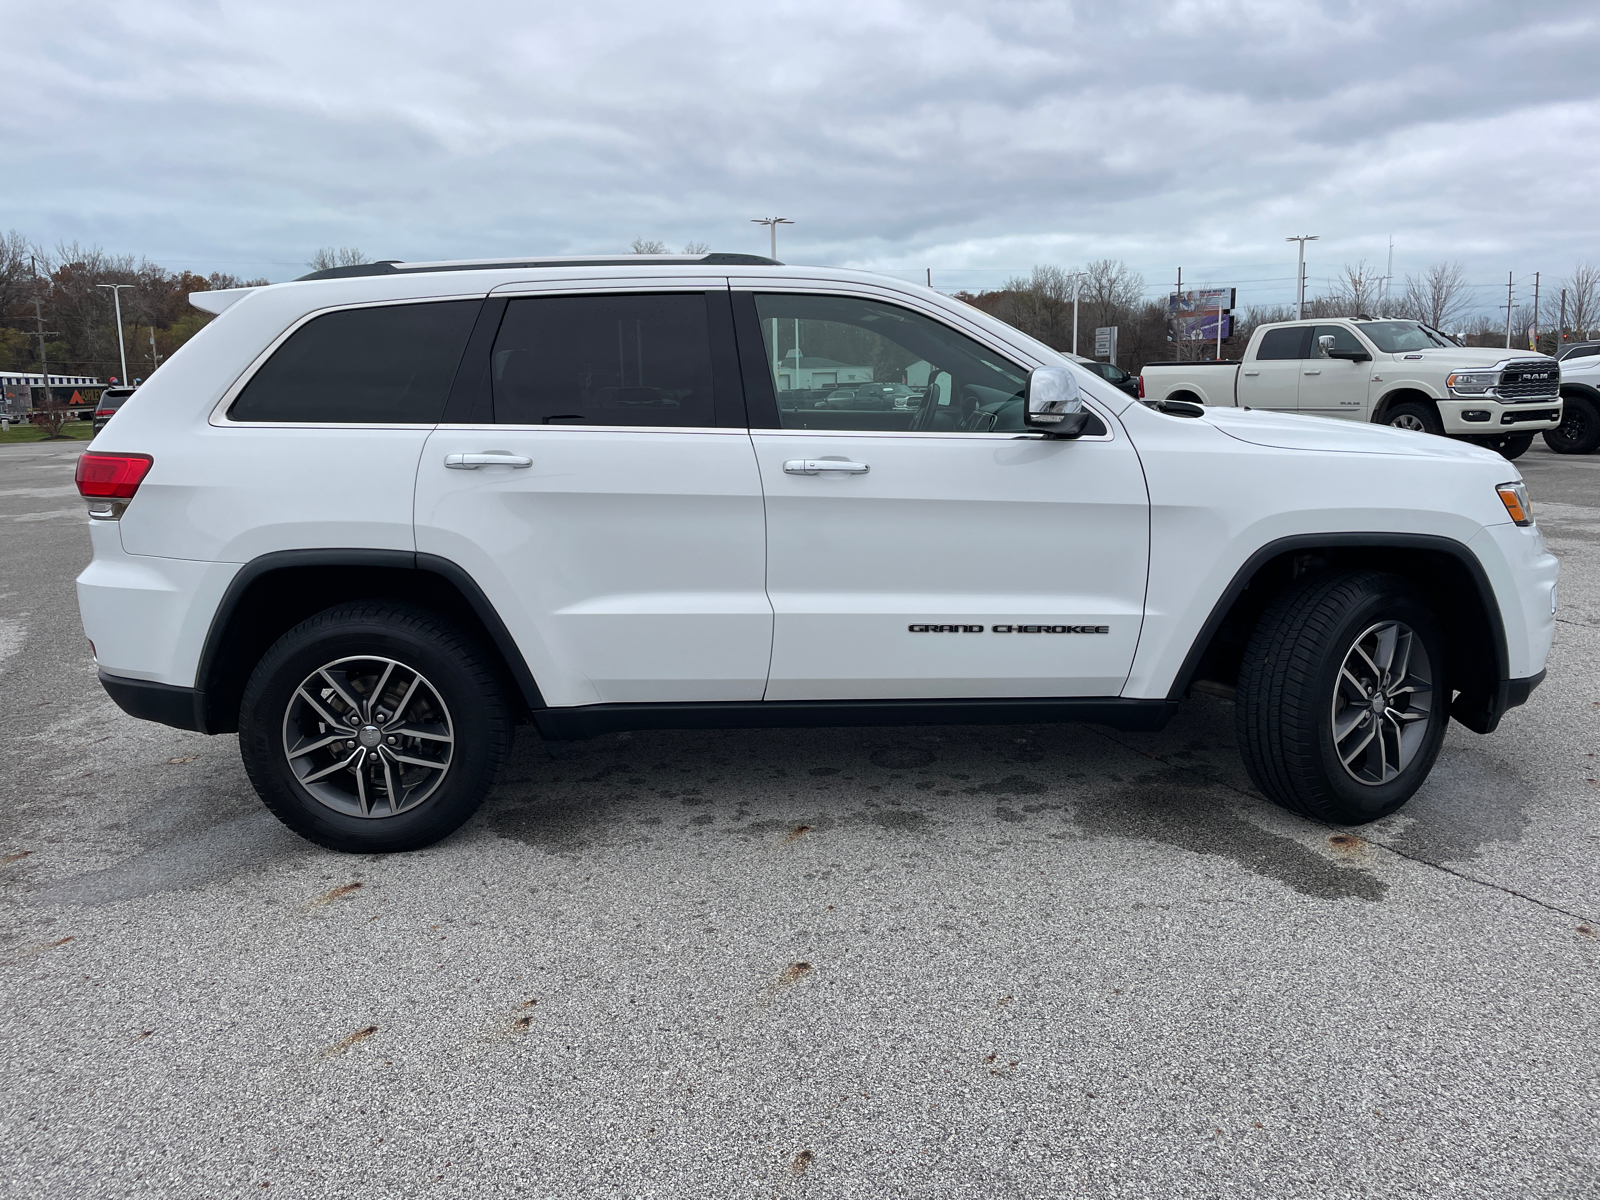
{"x":1579,"y":431}
{"x":1507,"y":445}
{"x":1415,"y":416}
{"x":456,"y":715}
{"x":1287,"y":705}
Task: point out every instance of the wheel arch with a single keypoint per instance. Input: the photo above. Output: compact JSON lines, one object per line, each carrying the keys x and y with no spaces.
{"x":1587,"y":391}
{"x":1445,"y":571}
{"x":1187,"y":394}
{"x":1402,"y":395}
{"x":273,"y":593}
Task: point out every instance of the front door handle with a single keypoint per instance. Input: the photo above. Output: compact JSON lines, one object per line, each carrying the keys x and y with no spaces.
{"x":471,"y":462}
{"x":1316,"y":372}
{"x":815,"y":466}
{"x":1252,"y":372}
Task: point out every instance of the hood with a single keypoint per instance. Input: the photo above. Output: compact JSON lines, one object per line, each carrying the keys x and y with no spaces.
{"x":1463,"y":356}
{"x":1286,"y":431}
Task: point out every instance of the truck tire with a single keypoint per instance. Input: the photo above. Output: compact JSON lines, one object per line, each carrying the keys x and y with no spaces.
{"x":1579,"y":431}
{"x":1507,"y":445}
{"x":373,"y":726}
{"x":1342,"y":700}
{"x":1415,"y":416}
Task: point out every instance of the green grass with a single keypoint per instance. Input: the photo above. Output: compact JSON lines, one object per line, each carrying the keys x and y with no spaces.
{"x":80,"y":431}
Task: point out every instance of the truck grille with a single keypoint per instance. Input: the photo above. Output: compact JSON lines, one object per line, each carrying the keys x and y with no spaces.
{"x":1537,"y":379}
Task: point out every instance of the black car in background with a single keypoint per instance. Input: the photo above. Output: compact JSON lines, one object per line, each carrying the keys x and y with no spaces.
{"x":1112,"y":374}
{"x":111,"y":399}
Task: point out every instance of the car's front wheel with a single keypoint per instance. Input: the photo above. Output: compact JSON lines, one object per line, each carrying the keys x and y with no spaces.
{"x":1579,"y":431}
{"x":1343,"y":698}
{"x":373,"y":726}
{"x":1415,"y":416}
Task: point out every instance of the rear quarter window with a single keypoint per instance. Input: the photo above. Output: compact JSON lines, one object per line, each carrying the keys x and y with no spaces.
{"x":391,"y":364}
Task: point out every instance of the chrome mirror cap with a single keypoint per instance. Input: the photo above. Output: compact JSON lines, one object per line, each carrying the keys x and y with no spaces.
{"x":1054,"y":403}
{"x":1325,"y":345}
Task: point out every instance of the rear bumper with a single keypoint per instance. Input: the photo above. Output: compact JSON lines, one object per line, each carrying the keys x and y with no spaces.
{"x":1487,"y":417}
{"x":180,"y":707}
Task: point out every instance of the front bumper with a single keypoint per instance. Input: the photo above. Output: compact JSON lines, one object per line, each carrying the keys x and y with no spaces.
{"x":1484,"y":416}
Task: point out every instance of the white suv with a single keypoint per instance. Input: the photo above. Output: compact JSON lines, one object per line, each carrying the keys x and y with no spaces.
{"x":374,"y":518}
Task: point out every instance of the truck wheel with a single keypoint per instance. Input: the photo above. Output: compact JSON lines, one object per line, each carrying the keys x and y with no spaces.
{"x":1343,"y":701}
{"x":373,"y":726}
{"x":1579,"y":431}
{"x":1507,"y":445}
{"x":1420,"y":418}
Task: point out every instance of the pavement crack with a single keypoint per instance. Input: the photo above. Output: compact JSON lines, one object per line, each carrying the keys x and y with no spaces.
{"x":1217,"y":780}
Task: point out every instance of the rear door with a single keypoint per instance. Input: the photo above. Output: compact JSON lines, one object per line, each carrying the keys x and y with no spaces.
{"x":595,"y":476}
{"x":1335,"y":387}
{"x":1271,"y":379}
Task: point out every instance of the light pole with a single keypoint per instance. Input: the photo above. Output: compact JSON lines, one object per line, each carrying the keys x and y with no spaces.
{"x":1300,"y":274}
{"x":772,"y":224}
{"x":122,"y":350}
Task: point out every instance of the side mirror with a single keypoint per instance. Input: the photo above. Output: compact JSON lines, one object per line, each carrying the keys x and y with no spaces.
{"x":1053,"y":404}
{"x":1325,"y":345}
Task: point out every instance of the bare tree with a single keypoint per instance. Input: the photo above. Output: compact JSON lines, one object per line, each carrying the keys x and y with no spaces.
{"x":641,"y":246}
{"x":329,"y":257}
{"x":1583,"y":299}
{"x":1110,"y":291}
{"x":1356,"y":289}
{"x":1437,"y":297}
{"x":697,"y":248}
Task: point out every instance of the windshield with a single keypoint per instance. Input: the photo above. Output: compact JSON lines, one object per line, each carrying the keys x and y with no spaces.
{"x":1396,"y":337}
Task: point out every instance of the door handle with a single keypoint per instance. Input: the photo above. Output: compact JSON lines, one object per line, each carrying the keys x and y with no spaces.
{"x":1252,"y":372}
{"x":1316,"y":372}
{"x":494,"y":458}
{"x":815,"y":466}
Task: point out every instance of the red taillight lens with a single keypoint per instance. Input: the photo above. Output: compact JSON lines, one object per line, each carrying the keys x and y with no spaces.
{"x":1141,"y":387}
{"x":111,"y":476}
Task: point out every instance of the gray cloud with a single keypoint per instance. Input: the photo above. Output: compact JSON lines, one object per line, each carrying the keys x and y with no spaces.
{"x":973,"y":138}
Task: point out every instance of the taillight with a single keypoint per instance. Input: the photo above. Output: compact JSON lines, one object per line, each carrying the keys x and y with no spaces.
{"x":1141,"y":387}
{"x":108,"y":481}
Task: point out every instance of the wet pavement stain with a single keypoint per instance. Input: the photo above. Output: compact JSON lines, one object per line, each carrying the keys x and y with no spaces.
{"x":900,"y":821}
{"x":902,"y":758}
{"x":1166,"y":807}
{"x":1469,"y":800}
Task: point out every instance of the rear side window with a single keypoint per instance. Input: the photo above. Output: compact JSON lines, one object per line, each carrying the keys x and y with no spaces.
{"x":604,"y":360}
{"x":1283,"y":343}
{"x":388,"y":365}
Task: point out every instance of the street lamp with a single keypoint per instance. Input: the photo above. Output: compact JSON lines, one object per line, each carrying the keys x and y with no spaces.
{"x":116,"y":295}
{"x":772,"y":223}
{"x":1300,"y":274}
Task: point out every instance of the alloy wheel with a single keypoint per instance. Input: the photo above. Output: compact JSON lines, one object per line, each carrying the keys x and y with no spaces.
{"x":1409,"y":421}
{"x":1382,"y":700}
{"x":368,"y":736}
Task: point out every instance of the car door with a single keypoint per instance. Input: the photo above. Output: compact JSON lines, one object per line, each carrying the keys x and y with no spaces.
{"x":1335,"y":387}
{"x":1271,"y":379}
{"x":932,"y":547}
{"x":595,"y":477}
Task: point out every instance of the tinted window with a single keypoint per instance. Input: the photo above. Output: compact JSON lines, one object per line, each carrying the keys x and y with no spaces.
{"x":1343,"y":339}
{"x":823,"y":350}
{"x":1282,"y":343}
{"x":391,"y":364}
{"x":1582,"y":352}
{"x":604,"y":360}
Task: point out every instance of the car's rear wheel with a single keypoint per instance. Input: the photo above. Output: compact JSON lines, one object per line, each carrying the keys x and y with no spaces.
{"x":1343,"y":698}
{"x":373,"y":726}
{"x":1579,"y":431}
{"x":1415,"y":416}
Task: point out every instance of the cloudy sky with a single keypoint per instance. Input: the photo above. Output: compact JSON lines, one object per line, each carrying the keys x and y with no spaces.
{"x":973,"y":138}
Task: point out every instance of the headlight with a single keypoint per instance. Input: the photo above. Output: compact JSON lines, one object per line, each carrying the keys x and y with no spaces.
{"x":1472,"y":383}
{"x":1515,"y":497}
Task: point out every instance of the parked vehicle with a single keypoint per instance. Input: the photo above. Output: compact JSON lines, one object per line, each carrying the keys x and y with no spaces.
{"x":1399,"y":373}
{"x":1578,"y":350}
{"x":111,"y":399}
{"x":1579,"y":431}
{"x":1112,"y":374}
{"x":373,"y":518}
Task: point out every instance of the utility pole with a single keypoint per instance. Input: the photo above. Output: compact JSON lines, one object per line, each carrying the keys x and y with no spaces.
{"x":155,"y":359}
{"x":38,"y":316}
{"x":1533,"y":337}
{"x":1561,"y":329}
{"x":116,"y":295}
{"x":1388,"y":276}
{"x":772,"y":224}
{"x":1077,"y":291}
{"x":1300,"y":274}
{"x":1177,"y":321}
{"x":1508,"y":310}
{"x":930,"y":277}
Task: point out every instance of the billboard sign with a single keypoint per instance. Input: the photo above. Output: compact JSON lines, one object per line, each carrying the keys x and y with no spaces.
{"x":1203,"y":327}
{"x":1203,"y":300}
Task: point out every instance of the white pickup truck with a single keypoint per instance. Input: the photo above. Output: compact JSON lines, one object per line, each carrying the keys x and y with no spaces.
{"x":1389,"y":372}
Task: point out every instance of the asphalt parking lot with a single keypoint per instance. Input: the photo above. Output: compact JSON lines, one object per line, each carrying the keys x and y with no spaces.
{"x":997,"y":962}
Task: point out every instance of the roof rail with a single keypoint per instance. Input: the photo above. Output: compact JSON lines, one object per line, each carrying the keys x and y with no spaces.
{"x":394,"y":266}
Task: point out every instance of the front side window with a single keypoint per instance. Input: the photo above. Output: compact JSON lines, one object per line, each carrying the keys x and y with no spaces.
{"x":604,"y":360}
{"x":1283,"y":343}
{"x":387,"y":365}
{"x":848,"y":363}
{"x":1343,"y":339}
